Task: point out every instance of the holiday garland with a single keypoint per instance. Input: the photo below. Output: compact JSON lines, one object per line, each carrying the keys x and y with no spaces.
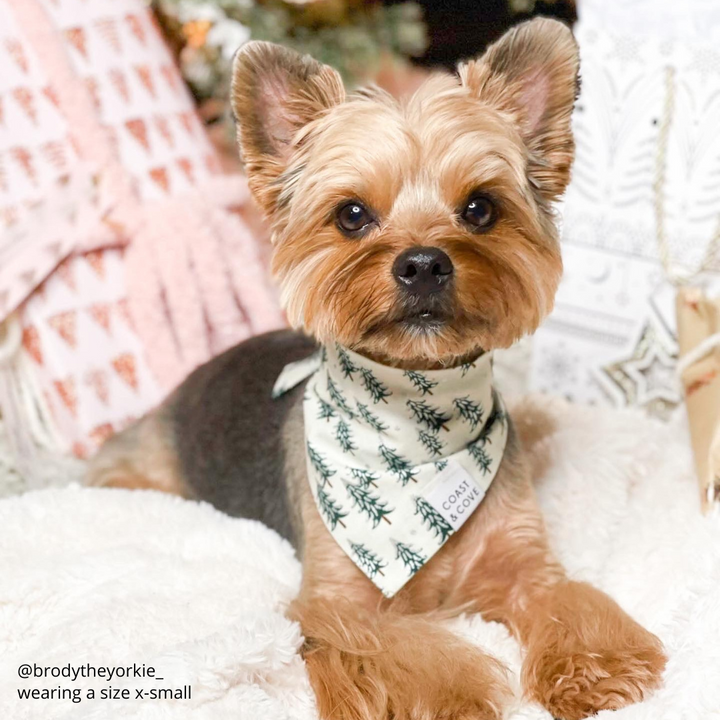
{"x":350,"y":35}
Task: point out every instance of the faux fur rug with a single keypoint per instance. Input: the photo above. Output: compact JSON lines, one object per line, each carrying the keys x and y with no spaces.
{"x":108,"y":578}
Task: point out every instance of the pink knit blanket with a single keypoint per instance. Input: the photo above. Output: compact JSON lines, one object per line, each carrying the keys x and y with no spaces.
{"x":195,"y":280}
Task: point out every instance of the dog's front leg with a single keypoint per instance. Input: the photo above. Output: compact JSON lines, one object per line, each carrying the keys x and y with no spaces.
{"x":369,"y":661}
{"x":583,"y":652}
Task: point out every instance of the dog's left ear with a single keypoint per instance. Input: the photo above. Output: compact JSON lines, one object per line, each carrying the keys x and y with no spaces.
{"x":531,"y":75}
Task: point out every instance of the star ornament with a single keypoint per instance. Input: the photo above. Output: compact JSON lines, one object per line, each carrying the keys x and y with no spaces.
{"x":646,"y":377}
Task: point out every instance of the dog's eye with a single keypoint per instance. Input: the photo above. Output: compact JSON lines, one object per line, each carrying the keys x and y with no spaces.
{"x":479,"y":213}
{"x":352,"y":218}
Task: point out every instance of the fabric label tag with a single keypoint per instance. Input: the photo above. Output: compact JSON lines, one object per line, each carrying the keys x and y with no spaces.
{"x":454,"y":494}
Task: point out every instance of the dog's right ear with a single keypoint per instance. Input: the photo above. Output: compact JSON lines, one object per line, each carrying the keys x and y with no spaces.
{"x":275,"y":93}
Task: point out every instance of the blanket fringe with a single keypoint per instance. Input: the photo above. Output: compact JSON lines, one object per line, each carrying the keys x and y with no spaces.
{"x":27,"y":417}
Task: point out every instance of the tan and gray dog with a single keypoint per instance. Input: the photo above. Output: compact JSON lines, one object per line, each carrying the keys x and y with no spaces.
{"x":418,"y":234}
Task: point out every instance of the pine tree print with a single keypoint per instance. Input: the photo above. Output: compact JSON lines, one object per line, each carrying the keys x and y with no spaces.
{"x":330,"y":509}
{"x":368,"y":559}
{"x":344,"y":438}
{"x":326,"y":409}
{"x":338,"y":398}
{"x":347,"y":366}
{"x":440,"y":465}
{"x":372,"y":506}
{"x":466,"y":368}
{"x":323,"y":354}
{"x":501,"y":415}
{"x":481,"y":458}
{"x":427,"y":415}
{"x":433,"y":518}
{"x":377,"y":390}
{"x":365,"y":477}
{"x":497,"y":415}
{"x":420,"y":381}
{"x":469,"y":410}
{"x":370,"y":418}
{"x":318,"y":462}
{"x":412,"y":560}
{"x":484,"y":436}
{"x":431,"y":442}
{"x":398,"y":465}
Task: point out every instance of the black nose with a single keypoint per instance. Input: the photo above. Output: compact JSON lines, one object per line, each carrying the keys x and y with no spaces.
{"x":423,"y":270}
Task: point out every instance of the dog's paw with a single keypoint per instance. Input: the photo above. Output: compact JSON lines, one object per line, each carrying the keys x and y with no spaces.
{"x":383,"y":666}
{"x":601,"y":660}
{"x":582,"y":683}
{"x":387,"y":685}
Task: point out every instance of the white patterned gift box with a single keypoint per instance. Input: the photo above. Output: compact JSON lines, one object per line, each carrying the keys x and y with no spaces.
{"x":647,"y":146}
{"x":119,"y":260}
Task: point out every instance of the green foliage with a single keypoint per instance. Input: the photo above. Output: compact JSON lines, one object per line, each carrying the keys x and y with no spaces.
{"x":352,"y":37}
{"x":398,"y":465}
{"x":372,"y":506}
{"x":433,"y":518}
{"x":352,"y":46}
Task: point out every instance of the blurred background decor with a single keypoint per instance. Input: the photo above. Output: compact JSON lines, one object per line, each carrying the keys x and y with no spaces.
{"x":129,"y":255}
{"x":125,"y":259}
{"x":642,"y":213}
{"x":391,"y":43}
{"x":356,"y":37}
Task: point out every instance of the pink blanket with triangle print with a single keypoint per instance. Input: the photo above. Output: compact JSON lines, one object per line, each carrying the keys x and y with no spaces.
{"x":100,"y":148}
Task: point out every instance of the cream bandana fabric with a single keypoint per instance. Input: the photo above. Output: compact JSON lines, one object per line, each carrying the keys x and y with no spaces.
{"x":397,"y":460}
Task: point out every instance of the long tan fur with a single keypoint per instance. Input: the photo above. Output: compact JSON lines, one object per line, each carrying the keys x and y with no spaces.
{"x":502,"y":127}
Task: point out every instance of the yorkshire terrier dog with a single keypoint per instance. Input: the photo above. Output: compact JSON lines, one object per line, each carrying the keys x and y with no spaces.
{"x":410,"y":239}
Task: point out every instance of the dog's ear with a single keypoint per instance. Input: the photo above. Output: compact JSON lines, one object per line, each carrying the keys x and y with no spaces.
{"x":531,"y":75}
{"x":275,"y":93}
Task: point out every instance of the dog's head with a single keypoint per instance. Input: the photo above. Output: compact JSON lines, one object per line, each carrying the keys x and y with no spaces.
{"x":422,"y":231}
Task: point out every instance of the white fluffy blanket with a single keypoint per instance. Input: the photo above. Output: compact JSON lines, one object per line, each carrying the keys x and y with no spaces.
{"x":113,"y":578}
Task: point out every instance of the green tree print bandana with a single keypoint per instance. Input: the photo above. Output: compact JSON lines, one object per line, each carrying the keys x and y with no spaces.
{"x":397,"y":460}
